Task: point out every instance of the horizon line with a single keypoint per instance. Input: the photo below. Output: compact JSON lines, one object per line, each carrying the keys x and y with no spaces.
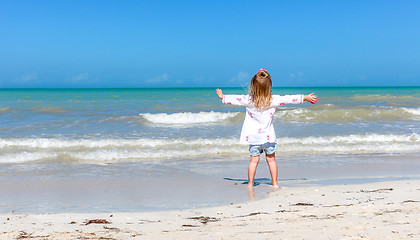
{"x":388,"y":86}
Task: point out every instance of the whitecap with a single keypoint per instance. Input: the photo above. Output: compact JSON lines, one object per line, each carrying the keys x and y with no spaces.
{"x":114,"y":150}
{"x":186,"y":118}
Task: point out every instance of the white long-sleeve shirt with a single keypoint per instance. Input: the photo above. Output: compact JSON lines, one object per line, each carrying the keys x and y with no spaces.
{"x":258,"y":125}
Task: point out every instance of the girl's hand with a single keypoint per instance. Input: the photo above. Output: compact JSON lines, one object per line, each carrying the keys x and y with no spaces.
{"x":310,"y":98}
{"x":219,"y":93}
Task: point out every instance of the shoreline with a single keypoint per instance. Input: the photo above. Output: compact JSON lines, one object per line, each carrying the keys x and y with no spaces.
{"x":378,"y":210}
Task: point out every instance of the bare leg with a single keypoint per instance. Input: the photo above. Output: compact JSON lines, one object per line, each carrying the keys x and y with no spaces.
{"x":272,"y":165}
{"x":252,"y":169}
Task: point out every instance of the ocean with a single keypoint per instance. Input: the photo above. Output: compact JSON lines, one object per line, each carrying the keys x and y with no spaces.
{"x":104,"y":150}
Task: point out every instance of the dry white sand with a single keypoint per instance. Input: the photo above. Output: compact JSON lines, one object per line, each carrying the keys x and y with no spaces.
{"x":382,"y":210}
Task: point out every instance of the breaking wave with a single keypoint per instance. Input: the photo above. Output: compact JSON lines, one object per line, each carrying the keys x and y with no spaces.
{"x":116,"y":150}
{"x":321,"y":113}
{"x":186,"y":118}
{"x":333,"y":113}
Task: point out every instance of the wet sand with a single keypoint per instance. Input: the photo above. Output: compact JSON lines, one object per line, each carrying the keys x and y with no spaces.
{"x":380,"y":210}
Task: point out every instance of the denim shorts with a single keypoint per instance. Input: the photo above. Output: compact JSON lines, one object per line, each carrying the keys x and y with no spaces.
{"x":268,"y":148}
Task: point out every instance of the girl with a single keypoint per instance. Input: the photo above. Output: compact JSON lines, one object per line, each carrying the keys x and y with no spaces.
{"x":258,"y":130}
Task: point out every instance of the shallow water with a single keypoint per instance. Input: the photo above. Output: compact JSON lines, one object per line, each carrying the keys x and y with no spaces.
{"x":155,"y":149}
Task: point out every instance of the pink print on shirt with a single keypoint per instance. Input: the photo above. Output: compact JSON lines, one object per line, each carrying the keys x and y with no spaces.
{"x":258,"y":124}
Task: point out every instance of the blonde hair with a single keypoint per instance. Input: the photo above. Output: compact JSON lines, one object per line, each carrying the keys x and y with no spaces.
{"x":260,"y":90}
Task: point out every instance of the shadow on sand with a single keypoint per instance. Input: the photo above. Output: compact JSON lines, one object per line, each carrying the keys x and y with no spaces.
{"x":262,"y":181}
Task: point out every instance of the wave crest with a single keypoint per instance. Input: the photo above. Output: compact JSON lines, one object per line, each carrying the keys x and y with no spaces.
{"x":4,"y":109}
{"x":387,"y":98}
{"x":186,"y":118}
{"x":115,"y":150}
{"x":333,"y":113}
{"x":413,"y":111}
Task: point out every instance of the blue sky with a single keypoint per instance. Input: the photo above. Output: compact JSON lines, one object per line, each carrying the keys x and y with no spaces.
{"x":208,"y":43}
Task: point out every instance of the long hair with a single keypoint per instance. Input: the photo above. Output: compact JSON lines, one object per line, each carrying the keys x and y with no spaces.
{"x":260,"y":90}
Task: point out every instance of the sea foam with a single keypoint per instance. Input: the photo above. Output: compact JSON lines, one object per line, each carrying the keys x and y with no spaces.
{"x":115,"y":150}
{"x":186,"y":118}
{"x":413,"y":111}
{"x":333,"y":113}
{"x":321,"y":113}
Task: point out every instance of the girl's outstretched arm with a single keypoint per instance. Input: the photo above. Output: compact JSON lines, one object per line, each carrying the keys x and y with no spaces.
{"x":219,"y":93}
{"x":238,"y":100}
{"x":310,"y":98}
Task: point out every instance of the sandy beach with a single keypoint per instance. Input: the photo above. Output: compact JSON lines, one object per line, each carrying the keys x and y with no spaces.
{"x":381,"y":210}
{"x":142,"y":120}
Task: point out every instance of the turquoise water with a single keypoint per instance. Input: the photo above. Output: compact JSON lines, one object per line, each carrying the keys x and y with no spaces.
{"x":71,"y":136}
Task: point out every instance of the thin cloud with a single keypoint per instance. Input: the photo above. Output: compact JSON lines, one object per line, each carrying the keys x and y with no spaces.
{"x":203,"y":80}
{"x":28,"y":78}
{"x":241,"y":77}
{"x":80,"y":77}
{"x":158,"y":79}
{"x":296,"y":77}
{"x":83,"y":78}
